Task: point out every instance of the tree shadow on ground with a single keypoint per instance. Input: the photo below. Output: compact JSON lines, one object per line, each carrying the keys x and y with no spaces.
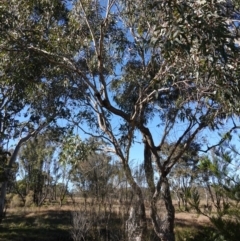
{"x":191,"y":223}
{"x":39,"y":226}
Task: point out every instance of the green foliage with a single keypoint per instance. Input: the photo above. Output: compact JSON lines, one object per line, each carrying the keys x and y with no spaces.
{"x":193,"y":198}
{"x":95,"y":175}
{"x":117,"y":67}
{"x":74,"y":150}
{"x":206,"y":234}
{"x":224,"y":229}
{"x":227,"y":231}
{"x":223,"y":185}
{"x":4,"y":160}
{"x":34,"y":161}
{"x":21,"y":186}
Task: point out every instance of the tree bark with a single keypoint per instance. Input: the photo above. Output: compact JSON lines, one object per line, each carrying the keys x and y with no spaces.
{"x":168,"y":226}
{"x":136,"y":224}
{"x":2,"y":200}
{"x":164,"y":226}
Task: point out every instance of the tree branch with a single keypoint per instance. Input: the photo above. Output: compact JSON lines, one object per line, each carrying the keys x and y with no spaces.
{"x":90,"y":29}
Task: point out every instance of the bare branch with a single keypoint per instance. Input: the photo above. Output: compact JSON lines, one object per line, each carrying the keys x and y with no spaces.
{"x":168,"y":127}
{"x":185,"y":147}
{"x":221,"y":141}
{"x":24,"y":140}
{"x":90,"y":29}
{"x":65,"y":60}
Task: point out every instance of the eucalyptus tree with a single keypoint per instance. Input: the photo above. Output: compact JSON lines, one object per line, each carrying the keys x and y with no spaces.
{"x":173,"y":65}
{"x":25,"y":113}
{"x":32,"y":92}
{"x":72,"y":152}
{"x":35,"y":162}
{"x":89,"y":168}
{"x":94,"y":175}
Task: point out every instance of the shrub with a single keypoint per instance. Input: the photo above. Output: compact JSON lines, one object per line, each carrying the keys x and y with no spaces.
{"x":206,"y":234}
{"x":9,"y":197}
{"x":81,"y":224}
{"x":29,"y":199}
{"x":16,"y":201}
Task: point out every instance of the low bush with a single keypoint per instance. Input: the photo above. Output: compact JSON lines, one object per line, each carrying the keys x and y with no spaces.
{"x":29,"y":200}
{"x":16,"y":201}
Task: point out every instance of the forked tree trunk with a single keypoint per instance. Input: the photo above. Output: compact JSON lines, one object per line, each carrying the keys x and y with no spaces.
{"x":164,"y":226}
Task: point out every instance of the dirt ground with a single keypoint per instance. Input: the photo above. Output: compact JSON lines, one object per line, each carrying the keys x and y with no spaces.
{"x":190,"y":219}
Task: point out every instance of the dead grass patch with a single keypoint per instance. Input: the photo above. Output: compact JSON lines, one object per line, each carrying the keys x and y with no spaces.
{"x":53,"y":223}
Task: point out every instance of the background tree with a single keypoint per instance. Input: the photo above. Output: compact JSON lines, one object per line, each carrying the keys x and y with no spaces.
{"x":95,"y":175}
{"x":35,"y":161}
{"x":33,"y":92}
{"x":60,"y":182}
{"x":218,"y":173}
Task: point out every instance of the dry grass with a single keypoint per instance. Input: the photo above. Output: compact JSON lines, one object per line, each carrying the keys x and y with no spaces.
{"x":53,"y":223}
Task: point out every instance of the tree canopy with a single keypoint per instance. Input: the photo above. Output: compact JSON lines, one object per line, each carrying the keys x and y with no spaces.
{"x":122,"y":66}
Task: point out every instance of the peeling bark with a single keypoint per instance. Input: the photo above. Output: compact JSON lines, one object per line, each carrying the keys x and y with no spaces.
{"x":136,"y":225}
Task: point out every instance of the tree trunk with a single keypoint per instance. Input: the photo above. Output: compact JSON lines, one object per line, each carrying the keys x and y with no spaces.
{"x":168,"y":226}
{"x":178,"y":199}
{"x":164,"y":226}
{"x":2,"y":200}
{"x":206,"y":196}
{"x":136,"y":224}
